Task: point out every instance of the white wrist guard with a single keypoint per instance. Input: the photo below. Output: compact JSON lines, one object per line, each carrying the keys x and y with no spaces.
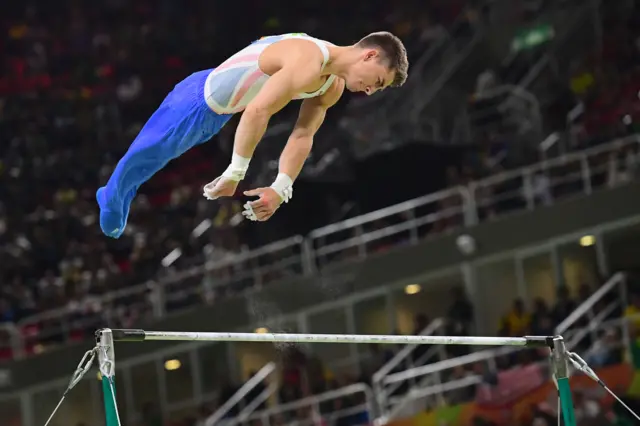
{"x":283,"y":185}
{"x":238,"y":168}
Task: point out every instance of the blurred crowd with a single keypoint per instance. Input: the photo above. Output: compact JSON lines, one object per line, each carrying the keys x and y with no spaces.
{"x":589,"y":99}
{"x":76,"y":84}
{"x":73,"y":96}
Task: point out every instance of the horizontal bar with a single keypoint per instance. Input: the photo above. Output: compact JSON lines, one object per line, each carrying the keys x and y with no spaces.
{"x":141,"y":335}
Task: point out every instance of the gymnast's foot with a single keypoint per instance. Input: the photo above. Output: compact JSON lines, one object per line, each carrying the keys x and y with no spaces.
{"x":112,"y":221}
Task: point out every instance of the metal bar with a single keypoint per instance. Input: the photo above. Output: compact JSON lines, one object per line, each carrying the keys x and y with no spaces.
{"x":141,"y":335}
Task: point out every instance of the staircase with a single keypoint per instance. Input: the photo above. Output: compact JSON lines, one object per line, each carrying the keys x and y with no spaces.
{"x":391,"y":395}
{"x":601,"y":311}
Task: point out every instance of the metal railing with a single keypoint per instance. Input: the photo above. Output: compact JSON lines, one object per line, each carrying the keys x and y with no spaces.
{"x":584,"y":321}
{"x":544,"y":183}
{"x":386,"y":395}
{"x":402,"y":108}
{"x":240,"y":395}
{"x":406,"y":223}
{"x":506,"y":106}
{"x":313,"y":409}
{"x":574,"y":328}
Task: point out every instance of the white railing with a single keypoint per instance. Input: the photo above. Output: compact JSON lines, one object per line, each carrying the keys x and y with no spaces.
{"x":412,"y":221}
{"x":516,"y":102}
{"x":573,"y":328}
{"x":313,"y":410}
{"x":573,"y":325}
{"x":405,"y":223}
{"x":404,"y":357}
{"x":585,"y":320}
{"x":238,"y":397}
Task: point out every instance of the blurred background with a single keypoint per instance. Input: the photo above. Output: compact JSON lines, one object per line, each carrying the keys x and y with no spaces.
{"x":496,"y":193}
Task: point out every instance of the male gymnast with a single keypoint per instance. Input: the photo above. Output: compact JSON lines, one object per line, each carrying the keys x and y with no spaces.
{"x":258,"y":81}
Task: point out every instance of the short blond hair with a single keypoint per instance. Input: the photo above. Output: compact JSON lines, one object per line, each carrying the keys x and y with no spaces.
{"x":393,"y":51}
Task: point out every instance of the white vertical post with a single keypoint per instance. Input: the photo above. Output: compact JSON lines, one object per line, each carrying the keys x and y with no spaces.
{"x":26,"y":409}
{"x":557,"y":265}
{"x":521,"y":279}
{"x":601,"y":255}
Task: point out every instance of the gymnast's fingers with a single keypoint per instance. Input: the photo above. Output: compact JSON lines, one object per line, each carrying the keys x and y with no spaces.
{"x":257,"y":203}
{"x":263,"y":216}
{"x":261,"y":209}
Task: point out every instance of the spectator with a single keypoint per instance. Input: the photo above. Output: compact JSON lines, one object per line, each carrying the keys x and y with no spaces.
{"x":564,"y":305}
{"x":460,"y":314}
{"x":604,"y":351}
{"x":541,"y":319}
{"x":517,"y":321}
{"x":632,"y":312}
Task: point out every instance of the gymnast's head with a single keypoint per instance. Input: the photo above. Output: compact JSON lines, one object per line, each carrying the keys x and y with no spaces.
{"x":381,"y":62}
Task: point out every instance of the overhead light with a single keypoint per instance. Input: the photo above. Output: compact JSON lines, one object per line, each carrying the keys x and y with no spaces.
{"x":172,"y":364}
{"x":412,"y":289}
{"x":262,"y":330}
{"x":587,"y":241}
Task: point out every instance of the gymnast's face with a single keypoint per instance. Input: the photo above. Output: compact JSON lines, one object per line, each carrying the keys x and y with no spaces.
{"x":370,"y":74}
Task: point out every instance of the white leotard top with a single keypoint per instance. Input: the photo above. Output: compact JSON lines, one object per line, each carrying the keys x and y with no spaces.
{"x":231,"y":86}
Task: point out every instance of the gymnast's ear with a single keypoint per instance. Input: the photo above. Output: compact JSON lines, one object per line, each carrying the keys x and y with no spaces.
{"x":371,"y":54}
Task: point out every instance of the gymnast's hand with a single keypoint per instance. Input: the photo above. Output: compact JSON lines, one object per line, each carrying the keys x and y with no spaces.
{"x":264,"y":207}
{"x":220,"y":187}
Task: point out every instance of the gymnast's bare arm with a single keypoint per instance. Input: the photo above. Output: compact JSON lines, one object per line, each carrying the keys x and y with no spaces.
{"x":295,"y":153}
{"x":294,"y":66}
{"x":293,"y":73}
{"x":310,"y":118}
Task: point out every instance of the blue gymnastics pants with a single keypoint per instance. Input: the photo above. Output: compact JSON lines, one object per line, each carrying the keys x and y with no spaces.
{"x":182,"y":121}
